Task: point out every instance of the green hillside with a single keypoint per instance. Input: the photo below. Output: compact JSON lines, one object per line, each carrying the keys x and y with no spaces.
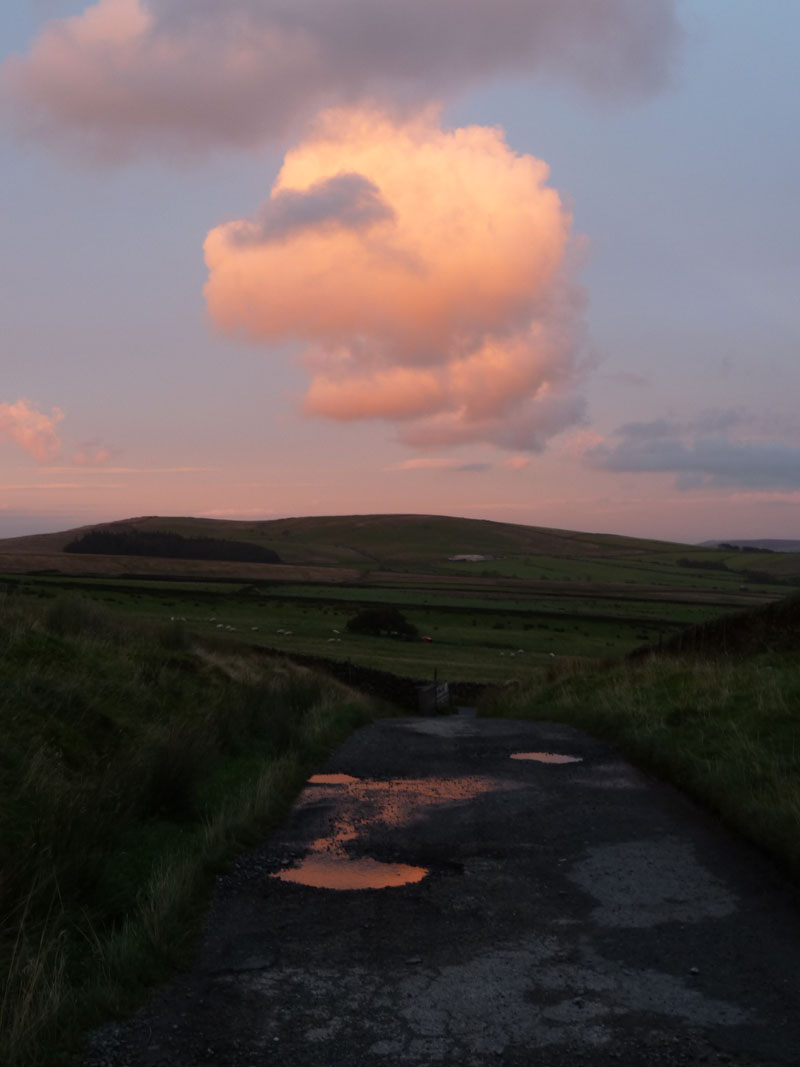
{"x":135,"y":760}
{"x":715,"y":710}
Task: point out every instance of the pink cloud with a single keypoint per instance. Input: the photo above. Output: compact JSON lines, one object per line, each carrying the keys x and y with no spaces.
{"x":93,"y":454}
{"x":421,"y":464}
{"x":446,"y":305}
{"x":31,"y":429}
{"x":127,"y":77}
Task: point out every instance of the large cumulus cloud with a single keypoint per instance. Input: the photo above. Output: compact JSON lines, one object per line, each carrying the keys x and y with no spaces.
{"x":177,"y":76}
{"x":428,"y":272}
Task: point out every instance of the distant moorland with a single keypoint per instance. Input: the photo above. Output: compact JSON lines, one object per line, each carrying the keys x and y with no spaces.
{"x":540,"y":594}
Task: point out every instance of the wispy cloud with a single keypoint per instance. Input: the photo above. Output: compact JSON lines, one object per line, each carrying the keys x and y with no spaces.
{"x":438,"y":463}
{"x":423,"y":464}
{"x":134,"y":470}
{"x":52,"y":486}
{"x":517,"y":463}
{"x":713,"y":451}
{"x":629,"y":378}
{"x":94,"y":453}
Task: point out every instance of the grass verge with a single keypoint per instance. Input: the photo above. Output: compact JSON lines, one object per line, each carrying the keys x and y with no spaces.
{"x":725,"y":731}
{"x":135,"y":761}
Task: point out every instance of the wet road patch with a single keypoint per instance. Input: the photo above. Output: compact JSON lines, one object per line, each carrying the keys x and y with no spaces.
{"x":332,"y":779}
{"x":546,"y":757}
{"x":358,"y":806}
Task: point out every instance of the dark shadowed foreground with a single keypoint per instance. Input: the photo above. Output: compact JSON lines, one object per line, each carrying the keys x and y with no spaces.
{"x":536,"y":911}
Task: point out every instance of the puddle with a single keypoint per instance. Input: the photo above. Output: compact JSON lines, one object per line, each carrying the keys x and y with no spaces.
{"x":367,"y":805}
{"x":546,"y":757}
{"x":341,"y":872}
{"x":332,"y":779}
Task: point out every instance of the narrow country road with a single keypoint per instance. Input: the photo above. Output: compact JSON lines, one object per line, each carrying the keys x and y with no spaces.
{"x":501,"y":911}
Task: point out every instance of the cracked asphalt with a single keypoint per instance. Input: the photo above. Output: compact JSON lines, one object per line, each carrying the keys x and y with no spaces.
{"x":573,"y":913}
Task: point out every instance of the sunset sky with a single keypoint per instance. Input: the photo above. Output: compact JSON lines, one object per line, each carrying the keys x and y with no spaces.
{"x":535,"y":262}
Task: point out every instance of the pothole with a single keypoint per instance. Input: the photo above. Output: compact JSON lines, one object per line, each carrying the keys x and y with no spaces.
{"x":334,"y":871}
{"x":547,"y":757}
{"x":332,"y":779}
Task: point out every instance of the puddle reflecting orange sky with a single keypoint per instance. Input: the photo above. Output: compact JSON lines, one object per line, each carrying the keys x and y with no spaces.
{"x":546,"y":757}
{"x":342,"y":872}
{"x":358,"y":805}
{"x":332,"y":779}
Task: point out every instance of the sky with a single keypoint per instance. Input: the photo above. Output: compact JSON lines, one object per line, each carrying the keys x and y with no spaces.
{"x":532,"y":262}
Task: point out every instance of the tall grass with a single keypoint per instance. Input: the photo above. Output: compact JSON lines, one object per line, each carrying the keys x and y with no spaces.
{"x":727,"y":731}
{"x":133,"y":764}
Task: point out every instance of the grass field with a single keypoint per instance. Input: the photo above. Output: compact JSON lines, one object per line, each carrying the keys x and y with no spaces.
{"x":473,"y":638}
{"x":135,"y":760}
{"x":719,"y":718}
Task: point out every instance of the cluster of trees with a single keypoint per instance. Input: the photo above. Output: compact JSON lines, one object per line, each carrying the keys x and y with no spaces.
{"x":383,"y":620}
{"x":741,"y":548}
{"x":704,"y":564}
{"x":169,"y":546}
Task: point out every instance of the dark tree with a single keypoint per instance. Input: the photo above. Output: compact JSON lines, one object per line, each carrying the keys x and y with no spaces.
{"x":383,"y":620}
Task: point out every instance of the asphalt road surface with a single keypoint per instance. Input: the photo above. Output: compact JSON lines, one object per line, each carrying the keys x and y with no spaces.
{"x":437,"y":901}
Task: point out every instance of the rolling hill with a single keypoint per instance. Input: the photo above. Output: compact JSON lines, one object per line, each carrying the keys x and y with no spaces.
{"x":351,"y":540}
{"x":341,"y":548}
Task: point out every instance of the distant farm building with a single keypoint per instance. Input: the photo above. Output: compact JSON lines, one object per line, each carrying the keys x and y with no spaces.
{"x":470,"y":558}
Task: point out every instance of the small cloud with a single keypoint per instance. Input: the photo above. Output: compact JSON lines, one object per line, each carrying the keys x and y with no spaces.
{"x":422,"y":464}
{"x":579,"y":443}
{"x":32,"y":430}
{"x":93,"y":454}
{"x":701,"y":454}
{"x":517,"y":463}
{"x":474,"y":467}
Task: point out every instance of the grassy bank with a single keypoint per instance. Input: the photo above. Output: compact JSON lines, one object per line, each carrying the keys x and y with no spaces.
{"x":135,"y":761}
{"x":724,"y":728}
